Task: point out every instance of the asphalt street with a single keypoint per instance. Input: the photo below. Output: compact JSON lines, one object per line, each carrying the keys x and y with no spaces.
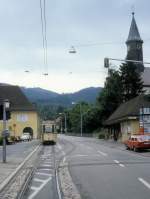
{"x":19,"y":150}
{"x":102,"y":170}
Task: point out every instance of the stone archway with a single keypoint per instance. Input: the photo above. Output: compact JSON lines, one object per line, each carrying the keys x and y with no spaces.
{"x":28,"y":130}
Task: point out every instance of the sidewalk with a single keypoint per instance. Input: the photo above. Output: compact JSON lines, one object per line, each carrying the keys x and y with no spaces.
{"x":7,"y":169}
{"x":15,"y":159}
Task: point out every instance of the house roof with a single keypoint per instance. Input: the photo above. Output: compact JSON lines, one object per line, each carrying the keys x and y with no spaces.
{"x":134,"y":34}
{"x":128,"y":109}
{"x":18,"y":101}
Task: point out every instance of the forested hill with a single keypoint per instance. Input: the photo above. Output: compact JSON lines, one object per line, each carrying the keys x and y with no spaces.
{"x":42,"y":96}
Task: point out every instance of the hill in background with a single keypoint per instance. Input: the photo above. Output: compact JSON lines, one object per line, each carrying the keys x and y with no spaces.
{"x":42,"y":96}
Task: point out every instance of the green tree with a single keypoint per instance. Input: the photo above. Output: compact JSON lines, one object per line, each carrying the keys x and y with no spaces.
{"x":131,"y":81}
{"x":92,"y":119}
{"x":111,"y":96}
{"x":74,"y":116}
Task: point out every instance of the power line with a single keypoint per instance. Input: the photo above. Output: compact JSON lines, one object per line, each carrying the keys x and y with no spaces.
{"x":42,"y":25}
{"x":45,"y":28}
{"x":98,"y":43}
{"x":103,"y":43}
{"x":44,"y":33}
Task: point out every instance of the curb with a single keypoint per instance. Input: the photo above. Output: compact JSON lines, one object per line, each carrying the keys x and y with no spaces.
{"x":7,"y":180}
{"x":58,"y":185}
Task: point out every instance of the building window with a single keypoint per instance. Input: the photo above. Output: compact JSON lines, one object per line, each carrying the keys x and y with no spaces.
{"x":22,"y":117}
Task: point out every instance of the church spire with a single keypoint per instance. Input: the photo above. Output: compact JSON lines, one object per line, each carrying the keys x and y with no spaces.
{"x":134,"y":34}
{"x":134,"y":45}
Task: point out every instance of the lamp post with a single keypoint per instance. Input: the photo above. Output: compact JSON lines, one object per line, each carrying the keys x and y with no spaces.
{"x":81,"y":120}
{"x":6,"y":106}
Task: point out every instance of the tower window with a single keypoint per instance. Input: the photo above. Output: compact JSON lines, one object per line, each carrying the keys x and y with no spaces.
{"x":128,"y":48}
{"x":138,"y":46}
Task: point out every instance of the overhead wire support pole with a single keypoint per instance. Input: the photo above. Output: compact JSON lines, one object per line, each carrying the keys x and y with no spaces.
{"x":81,"y":120}
{"x":4,"y":129}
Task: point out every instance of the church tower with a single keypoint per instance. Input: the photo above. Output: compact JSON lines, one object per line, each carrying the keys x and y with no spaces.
{"x":134,"y":45}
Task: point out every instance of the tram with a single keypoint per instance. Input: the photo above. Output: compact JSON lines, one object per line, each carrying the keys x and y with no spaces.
{"x":49,"y":134}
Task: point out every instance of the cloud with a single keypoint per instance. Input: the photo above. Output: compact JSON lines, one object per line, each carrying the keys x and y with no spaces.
{"x":69,"y":22}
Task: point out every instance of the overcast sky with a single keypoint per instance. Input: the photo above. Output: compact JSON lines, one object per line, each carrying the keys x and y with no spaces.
{"x":81,"y":23}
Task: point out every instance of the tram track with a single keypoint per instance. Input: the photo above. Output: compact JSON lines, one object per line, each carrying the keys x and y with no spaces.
{"x":12,"y":187}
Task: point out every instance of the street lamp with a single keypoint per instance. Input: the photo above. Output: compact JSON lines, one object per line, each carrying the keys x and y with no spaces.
{"x":81,"y":118}
{"x":72,"y":50}
{"x":6,"y":105}
{"x":65,"y":116}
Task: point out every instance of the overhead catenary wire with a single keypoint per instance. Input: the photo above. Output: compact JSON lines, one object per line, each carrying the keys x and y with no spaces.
{"x":44,"y":34}
{"x":94,"y":44}
{"x":45,"y":29}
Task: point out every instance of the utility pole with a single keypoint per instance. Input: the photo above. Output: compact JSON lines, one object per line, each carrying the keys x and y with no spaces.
{"x":5,"y":131}
{"x":65,"y":122}
{"x":4,"y":137}
{"x":81,"y":120}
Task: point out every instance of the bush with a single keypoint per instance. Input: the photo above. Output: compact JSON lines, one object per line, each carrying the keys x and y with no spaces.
{"x":13,"y":138}
{"x":101,"y":136}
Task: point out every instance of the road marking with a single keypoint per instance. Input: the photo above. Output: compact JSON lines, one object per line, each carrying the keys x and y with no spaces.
{"x":38,"y":189}
{"x":44,"y":174}
{"x":34,"y":188}
{"x":46,"y":165}
{"x":80,"y":155}
{"x":58,"y":186}
{"x":116,"y":161}
{"x":45,"y":169}
{"x":46,"y":159}
{"x":102,"y":153}
{"x":38,"y":180}
{"x":64,"y":159}
{"x":121,"y":165}
{"x":144,"y":182}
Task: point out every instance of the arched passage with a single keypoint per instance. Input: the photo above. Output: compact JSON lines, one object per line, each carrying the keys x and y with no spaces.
{"x":28,"y":130}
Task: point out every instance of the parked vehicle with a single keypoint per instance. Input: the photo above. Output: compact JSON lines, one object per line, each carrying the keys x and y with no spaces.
{"x":10,"y":140}
{"x":136,"y":142}
{"x":25,"y":137}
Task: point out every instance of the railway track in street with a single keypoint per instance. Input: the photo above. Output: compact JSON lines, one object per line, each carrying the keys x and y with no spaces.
{"x":46,"y":176}
{"x":45,"y":179}
{"x":38,"y":175}
{"x":14,"y":183}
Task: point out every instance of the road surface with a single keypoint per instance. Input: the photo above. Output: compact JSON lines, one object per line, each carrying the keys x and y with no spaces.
{"x":101,"y":170}
{"x":19,"y":150}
